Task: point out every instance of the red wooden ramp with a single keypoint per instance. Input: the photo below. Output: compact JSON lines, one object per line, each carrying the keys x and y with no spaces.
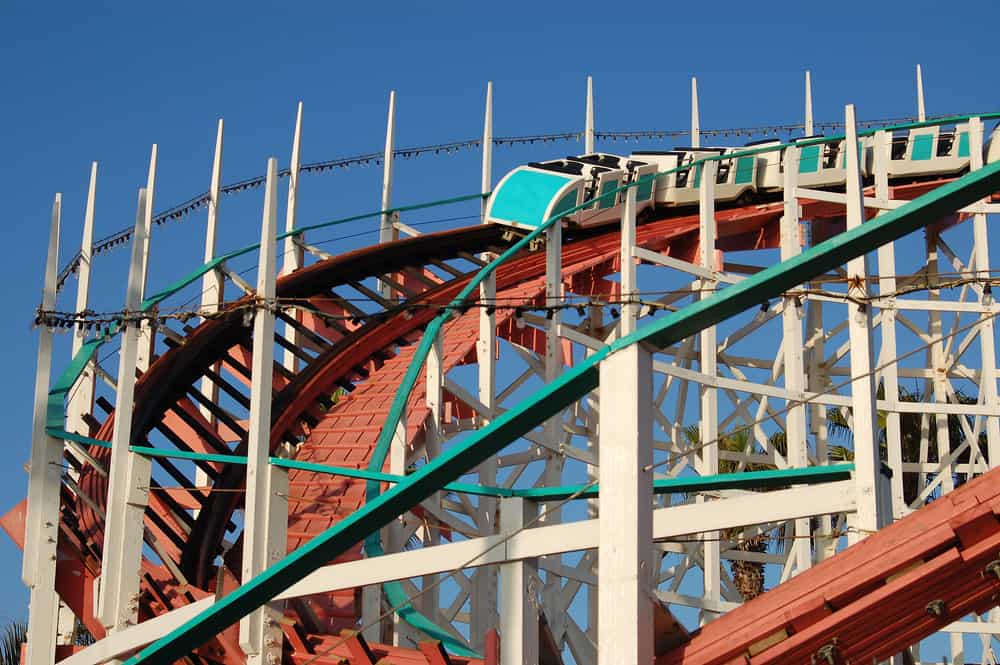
{"x":873,"y":599}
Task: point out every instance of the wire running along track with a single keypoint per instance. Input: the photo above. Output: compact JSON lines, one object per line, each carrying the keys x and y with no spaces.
{"x":593,"y":254}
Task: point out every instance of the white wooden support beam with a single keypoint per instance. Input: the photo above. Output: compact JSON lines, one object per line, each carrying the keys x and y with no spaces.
{"x":387,"y":232}
{"x":146,"y":329}
{"x":485,"y":613}
{"x":626,"y":504}
{"x":433,"y":440}
{"x":708,"y":427}
{"x":695,"y":117}
{"x":588,"y":136}
{"x":213,"y":286}
{"x":264,"y":527}
{"x":921,"y":111}
{"x":890,"y":370}
{"x":630,"y":290}
{"x":44,"y":477}
{"x":865,"y":417}
{"x":794,"y":362}
{"x":809,"y":105}
{"x":552,"y":431}
{"x":519,"y":604}
{"x":81,"y":401}
{"x":128,"y":485}
{"x":987,"y":329}
{"x":293,"y":255}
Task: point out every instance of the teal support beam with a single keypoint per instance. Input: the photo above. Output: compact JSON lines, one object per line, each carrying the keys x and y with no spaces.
{"x":553,"y":397}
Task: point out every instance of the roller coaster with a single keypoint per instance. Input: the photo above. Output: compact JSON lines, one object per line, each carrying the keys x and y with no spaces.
{"x":653,"y":407}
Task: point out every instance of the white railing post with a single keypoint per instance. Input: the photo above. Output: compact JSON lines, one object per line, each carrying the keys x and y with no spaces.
{"x":987,"y":329}
{"x":795,"y":422}
{"x":695,"y":117}
{"x":630,"y":291}
{"x":808,"y":129}
{"x":519,"y":605}
{"x":146,"y":336}
{"x":44,"y":479}
{"x":387,"y":230}
{"x":264,"y":527}
{"x":129,"y":474}
{"x":864,"y":414}
{"x":213,"y":286}
{"x":81,"y":401}
{"x":484,"y":578}
{"x":708,"y":429}
{"x":293,"y":255}
{"x":588,"y":137}
{"x":921,"y":111}
{"x":890,"y":370}
{"x":625,"y":588}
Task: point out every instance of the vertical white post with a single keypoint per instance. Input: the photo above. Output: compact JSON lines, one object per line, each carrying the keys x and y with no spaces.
{"x":433,"y":440}
{"x":552,"y":431}
{"x":708,"y":460}
{"x":890,"y":371}
{"x":588,"y":137}
{"x":519,"y":618}
{"x":212,"y":284}
{"x":264,"y":527}
{"x":791,"y":321}
{"x":387,"y":231}
{"x":987,"y":332}
{"x":81,"y":401}
{"x":146,"y":330}
{"x":625,"y":633}
{"x":809,"y":105}
{"x":128,"y":486}
{"x":921,"y":112}
{"x":293,"y":256}
{"x":630,"y":310}
{"x":484,"y":579}
{"x":866,"y":451}
{"x":695,"y":118}
{"x":44,"y":479}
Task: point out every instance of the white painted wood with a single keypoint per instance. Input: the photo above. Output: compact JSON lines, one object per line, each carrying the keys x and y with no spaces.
{"x":809,"y":105}
{"x":213,"y":285}
{"x":987,"y":329}
{"x":292,"y":256}
{"x":588,"y":136}
{"x":129,"y":473}
{"x":708,"y":426}
{"x":264,"y":539}
{"x":865,"y":416}
{"x":630,"y":290}
{"x":484,"y":598}
{"x":695,"y":118}
{"x":626,"y":503}
{"x":81,"y":400}
{"x":387,"y":232}
{"x":519,"y":600}
{"x":921,"y":111}
{"x":146,"y":336}
{"x":890,"y":372}
{"x":668,"y":523}
{"x":42,"y":523}
{"x":793,"y":357}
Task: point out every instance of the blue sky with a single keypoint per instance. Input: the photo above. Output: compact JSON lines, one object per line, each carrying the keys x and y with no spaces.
{"x":102,"y":81}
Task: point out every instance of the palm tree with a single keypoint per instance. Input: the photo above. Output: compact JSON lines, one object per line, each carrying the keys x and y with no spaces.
{"x":748,"y":576}
{"x":910,"y":428}
{"x":14,"y":635}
